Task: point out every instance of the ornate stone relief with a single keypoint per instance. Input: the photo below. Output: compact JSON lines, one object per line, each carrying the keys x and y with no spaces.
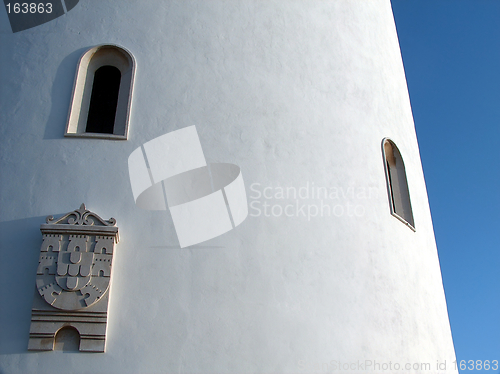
{"x":73,"y":279}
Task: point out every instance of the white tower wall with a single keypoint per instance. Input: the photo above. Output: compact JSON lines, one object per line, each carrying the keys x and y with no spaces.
{"x":298,"y":94}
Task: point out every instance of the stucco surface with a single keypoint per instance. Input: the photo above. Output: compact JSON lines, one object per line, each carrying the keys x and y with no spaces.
{"x":298,"y":94}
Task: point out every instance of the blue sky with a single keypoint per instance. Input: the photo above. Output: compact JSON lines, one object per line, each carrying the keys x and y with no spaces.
{"x":451,"y":53}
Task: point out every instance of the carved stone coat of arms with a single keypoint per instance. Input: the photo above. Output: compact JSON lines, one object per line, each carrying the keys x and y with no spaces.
{"x":73,"y":279}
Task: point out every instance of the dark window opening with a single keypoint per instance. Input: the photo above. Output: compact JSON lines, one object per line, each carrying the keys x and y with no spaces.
{"x":397,"y":183}
{"x":104,"y":100}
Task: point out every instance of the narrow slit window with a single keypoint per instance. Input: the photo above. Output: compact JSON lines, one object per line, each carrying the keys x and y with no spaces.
{"x":103,"y":100}
{"x":397,"y":184}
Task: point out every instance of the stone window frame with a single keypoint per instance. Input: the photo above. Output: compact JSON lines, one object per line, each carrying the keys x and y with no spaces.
{"x":397,"y":185}
{"x":91,"y":60}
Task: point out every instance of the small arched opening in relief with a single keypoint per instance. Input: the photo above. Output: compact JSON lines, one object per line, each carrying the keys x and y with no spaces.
{"x":102,"y":94}
{"x":67,"y":340}
{"x":397,"y":184}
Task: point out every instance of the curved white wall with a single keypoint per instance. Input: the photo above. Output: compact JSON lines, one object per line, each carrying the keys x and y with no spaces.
{"x":296,"y":93}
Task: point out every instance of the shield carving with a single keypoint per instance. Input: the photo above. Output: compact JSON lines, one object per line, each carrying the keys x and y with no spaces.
{"x":73,"y":279}
{"x":74,"y":269}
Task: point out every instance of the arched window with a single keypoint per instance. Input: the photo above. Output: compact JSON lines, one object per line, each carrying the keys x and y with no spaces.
{"x":102,"y":94}
{"x":397,"y":185}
